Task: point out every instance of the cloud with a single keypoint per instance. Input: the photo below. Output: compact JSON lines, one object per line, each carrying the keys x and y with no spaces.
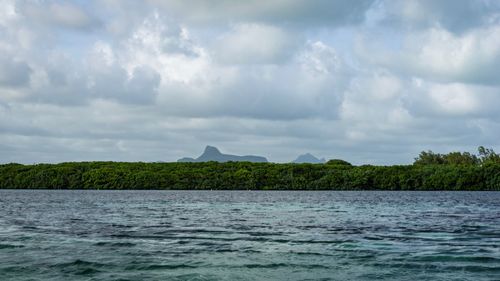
{"x":302,"y":12}
{"x":299,"y":89}
{"x":320,"y":59}
{"x":255,"y":44}
{"x":114,"y":83}
{"x":14,"y":73}
{"x":439,"y":55}
{"x":453,"y":99}
{"x":446,"y":14}
{"x":158,"y":80}
{"x":59,"y":14}
{"x":8,"y":11}
{"x":373,"y":105}
{"x":107,"y":77}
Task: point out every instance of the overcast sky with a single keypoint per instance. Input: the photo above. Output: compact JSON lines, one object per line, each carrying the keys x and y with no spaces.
{"x":367,"y":81}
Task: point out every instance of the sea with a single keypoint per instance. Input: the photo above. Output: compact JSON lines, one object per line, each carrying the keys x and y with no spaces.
{"x":249,"y":235}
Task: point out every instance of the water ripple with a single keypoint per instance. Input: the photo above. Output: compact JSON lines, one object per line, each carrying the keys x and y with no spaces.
{"x":228,"y":235}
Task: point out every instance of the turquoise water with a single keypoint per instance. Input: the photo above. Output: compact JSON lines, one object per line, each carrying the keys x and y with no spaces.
{"x":249,"y":235}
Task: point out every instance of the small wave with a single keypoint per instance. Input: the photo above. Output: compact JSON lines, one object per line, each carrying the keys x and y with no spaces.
{"x":448,"y":258}
{"x":194,"y":277}
{"x":115,"y":244}
{"x":286,"y":265}
{"x":29,"y":227}
{"x":439,"y":267}
{"x":311,"y":254}
{"x":80,"y":267}
{"x":159,"y":266}
{"x":9,"y":246}
{"x":79,"y":263}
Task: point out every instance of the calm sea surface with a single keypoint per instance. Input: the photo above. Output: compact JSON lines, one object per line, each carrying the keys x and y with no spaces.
{"x":249,"y":235}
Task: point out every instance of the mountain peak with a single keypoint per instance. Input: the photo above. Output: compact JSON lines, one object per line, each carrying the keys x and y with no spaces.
{"x":211,"y":150}
{"x":308,"y":158}
{"x":212,"y":153}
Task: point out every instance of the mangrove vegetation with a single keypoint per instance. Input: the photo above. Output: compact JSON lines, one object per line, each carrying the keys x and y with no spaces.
{"x":430,"y":171}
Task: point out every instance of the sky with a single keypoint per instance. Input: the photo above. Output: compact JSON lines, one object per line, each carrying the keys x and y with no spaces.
{"x":368,"y":81}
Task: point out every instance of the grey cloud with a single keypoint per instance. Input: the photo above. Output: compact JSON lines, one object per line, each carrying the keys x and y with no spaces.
{"x":59,"y":14}
{"x":14,"y":73}
{"x":143,"y":86}
{"x":109,"y":131}
{"x":256,"y":92}
{"x":169,"y":36}
{"x":58,"y":79}
{"x":455,"y":100}
{"x":309,"y":86}
{"x":154,"y":86}
{"x":317,"y":12}
{"x":121,"y":16}
{"x":244,"y":44}
{"x":439,"y":55}
{"x":114,"y":83}
{"x":456,"y":16}
{"x":71,"y":84}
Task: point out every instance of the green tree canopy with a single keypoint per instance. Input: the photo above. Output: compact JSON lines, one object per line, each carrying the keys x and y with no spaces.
{"x":339,"y":162}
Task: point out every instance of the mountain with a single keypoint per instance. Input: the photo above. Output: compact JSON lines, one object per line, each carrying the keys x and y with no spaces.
{"x":309,"y":158}
{"x":186,"y":159}
{"x":211,"y":153}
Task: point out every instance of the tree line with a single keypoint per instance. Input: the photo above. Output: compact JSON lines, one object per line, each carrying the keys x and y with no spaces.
{"x":430,"y":171}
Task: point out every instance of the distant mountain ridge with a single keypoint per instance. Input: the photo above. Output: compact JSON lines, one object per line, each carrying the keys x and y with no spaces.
{"x":212,"y":153}
{"x":309,"y":158}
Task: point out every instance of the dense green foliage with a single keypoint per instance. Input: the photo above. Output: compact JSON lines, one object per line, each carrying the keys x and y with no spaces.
{"x":431,"y":171}
{"x":486,"y":156}
{"x":244,"y":175}
{"x":338,"y":162}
